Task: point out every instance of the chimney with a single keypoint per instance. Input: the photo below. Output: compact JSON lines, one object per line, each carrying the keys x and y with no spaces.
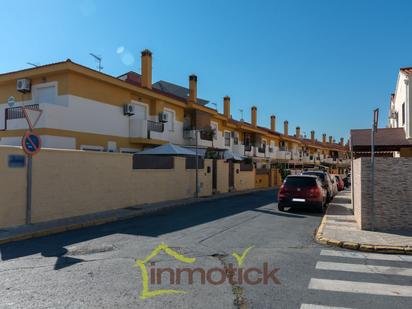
{"x":273,"y":123}
{"x":285,"y":127}
{"x":342,"y":142}
{"x":324,"y":138}
{"x":193,"y":88}
{"x":226,"y":106}
{"x":312,"y":136}
{"x":297,"y":132}
{"x":254,"y":116}
{"x":330,"y":139}
{"x":146,"y":69}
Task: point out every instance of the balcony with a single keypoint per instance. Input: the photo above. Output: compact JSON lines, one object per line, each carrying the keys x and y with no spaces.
{"x":309,"y":159}
{"x":203,"y":140}
{"x":139,"y":128}
{"x":239,"y":148}
{"x":260,"y":151}
{"x":284,"y":155}
{"x":249,"y":150}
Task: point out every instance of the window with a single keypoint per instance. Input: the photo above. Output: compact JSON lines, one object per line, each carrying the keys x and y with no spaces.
{"x":170,"y":124}
{"x":227,"y":138}
{"x":46,"y":95}
{"x":403,"y":113}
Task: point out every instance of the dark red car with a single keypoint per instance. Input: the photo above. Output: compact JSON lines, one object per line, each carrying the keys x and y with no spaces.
{"x":302,"y":191}
{"x":339,"y":183}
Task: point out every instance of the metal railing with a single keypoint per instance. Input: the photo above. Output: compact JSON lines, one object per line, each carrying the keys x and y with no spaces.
{"x":17,"y":112}
{"x":155,"y":126}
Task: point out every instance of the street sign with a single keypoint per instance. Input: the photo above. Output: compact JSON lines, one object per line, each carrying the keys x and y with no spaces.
{"x":17,"y":161}
{"x":11,"y":101}
{"x":375,"y":119}
{"x":32,"y":116}
{"x":31,"y":143}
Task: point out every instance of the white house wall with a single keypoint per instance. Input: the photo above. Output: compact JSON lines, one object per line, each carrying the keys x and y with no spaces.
{"x":78,"y":114}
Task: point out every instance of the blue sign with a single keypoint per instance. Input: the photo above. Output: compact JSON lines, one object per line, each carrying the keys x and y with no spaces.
{"x":17,"y":160}
{"x":31,"y":143}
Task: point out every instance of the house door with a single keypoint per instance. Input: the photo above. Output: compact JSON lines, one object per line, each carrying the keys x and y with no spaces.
{"x":231,"y":176}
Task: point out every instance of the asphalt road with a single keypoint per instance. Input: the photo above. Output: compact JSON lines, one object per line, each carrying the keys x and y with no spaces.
{"x":96,"y":267}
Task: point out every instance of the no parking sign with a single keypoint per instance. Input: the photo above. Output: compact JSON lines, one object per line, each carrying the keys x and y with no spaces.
{"x":31,"y":143}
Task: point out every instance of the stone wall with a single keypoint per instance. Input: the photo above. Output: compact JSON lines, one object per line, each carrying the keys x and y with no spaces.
{"x":393,"y":193}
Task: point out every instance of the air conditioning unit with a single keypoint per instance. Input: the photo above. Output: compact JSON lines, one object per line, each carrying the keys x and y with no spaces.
{"x":128,"y":109}
{"x":23,"y":85}
{"x":163,"y":117}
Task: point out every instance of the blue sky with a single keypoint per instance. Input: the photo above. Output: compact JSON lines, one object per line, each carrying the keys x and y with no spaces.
{"x":322,"y":65}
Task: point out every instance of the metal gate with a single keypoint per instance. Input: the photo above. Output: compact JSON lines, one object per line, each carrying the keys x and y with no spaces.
{"x":214,"y":176}
{"x":231,"y":176}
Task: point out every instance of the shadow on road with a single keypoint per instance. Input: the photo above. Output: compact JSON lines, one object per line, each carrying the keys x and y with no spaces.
{"x":150,"y":225}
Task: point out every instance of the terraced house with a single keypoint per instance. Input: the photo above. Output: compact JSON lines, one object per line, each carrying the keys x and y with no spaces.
{"x":89,"y":110}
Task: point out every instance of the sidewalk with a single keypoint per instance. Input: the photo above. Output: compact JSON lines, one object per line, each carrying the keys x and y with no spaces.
{"x":62,"y":225}
{"x":339,"y":228}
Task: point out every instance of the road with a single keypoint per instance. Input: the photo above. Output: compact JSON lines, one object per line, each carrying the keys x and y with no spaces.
{"x":96,"y":267}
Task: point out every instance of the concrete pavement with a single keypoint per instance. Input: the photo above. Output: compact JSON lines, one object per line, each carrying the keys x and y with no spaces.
{"x":95,"y":267}
{"x":339,"y":228}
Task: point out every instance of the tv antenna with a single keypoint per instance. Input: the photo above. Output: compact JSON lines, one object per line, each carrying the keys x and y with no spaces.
{"x":99,"y":61}
{"x":33,"y":64}
{"x":241,"y":114}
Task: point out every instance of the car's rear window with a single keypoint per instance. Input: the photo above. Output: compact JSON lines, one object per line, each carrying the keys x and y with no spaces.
{"x":301,"y":181}
{"x":320,"y":175}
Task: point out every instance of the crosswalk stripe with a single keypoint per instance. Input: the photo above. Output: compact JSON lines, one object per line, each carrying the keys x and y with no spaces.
{"x":368,"y":256}
{"x":311,"y":306}
{"x":360,"y":287}
{"x":361,"y":268}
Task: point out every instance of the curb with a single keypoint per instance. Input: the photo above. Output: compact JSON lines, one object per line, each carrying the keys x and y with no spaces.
{"x":115,"y":218}
{"x":319,"y":238}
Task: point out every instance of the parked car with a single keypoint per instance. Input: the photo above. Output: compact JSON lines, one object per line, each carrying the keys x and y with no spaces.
{"x":326,"y":182}
{"x":334,"y":184}
{"x":339,"y":182}
{"x":347,"y":180}
{"x":302,"y":191}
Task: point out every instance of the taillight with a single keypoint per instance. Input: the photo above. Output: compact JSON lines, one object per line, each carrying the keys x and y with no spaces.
{"x":314,"y":192}
{"x":282,"y":192}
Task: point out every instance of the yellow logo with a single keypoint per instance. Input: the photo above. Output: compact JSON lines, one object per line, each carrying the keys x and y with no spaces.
{"x":145,"y":277}
{"x":241,"y":258}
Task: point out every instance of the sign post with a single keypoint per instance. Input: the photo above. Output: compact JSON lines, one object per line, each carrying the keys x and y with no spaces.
{"x":31,"y":144}
{"x":374,"y":130}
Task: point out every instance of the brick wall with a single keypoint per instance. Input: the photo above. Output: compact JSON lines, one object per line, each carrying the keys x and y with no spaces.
{"x":393,"y":193}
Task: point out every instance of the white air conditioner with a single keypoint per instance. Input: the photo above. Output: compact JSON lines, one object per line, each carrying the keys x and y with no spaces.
{"x":163,"y":117}
{"x":128,"y":109}
{"x":23,"y":85}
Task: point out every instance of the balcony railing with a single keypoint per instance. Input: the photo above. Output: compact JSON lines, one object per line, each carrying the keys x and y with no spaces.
{"x":17,"y":112}
{"x":155,"y":126}
{"x":262,"y":149}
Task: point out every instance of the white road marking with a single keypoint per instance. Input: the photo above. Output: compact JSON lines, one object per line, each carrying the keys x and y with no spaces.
{"x":360,"y":287}
{"x":368,"y":256}
{"x":367,"y":269}
{"x":310,"y":306}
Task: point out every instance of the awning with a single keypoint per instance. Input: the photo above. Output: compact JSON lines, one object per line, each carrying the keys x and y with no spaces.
{"x":169,"y":150}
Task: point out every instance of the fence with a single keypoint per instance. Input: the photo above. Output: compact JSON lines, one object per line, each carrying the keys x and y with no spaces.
{"x":68,"y":183}
{"x":393,"y":193}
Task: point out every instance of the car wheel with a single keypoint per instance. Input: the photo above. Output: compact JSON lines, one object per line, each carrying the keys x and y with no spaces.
{"x":281,"y":207}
